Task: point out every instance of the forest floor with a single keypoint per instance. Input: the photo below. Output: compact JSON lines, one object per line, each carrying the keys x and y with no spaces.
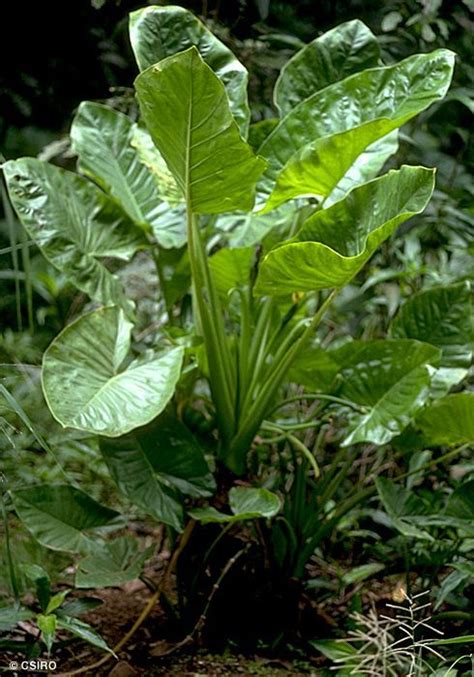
{"x":147,"y":654}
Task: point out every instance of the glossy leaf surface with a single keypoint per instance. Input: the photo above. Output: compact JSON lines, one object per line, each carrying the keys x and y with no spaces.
{"x":334,"y":244}
{"x":60,"y":516}
{"x":87,"y":385}
{"x":388,"y":378}
{"x":106,"y":141}
{"x":338,"y":53}
{"x":319,"y":168}
{"x":365,"y":167}
{"x":395,"y":93}
{"x":74,"y":224}
{"x":159,"y":32}
{"x":449,"y":420}
{"x":186,"y":111}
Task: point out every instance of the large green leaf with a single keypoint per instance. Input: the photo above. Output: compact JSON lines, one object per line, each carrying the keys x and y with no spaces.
{"x":333,"y":163}
{"x":74,"y":224}
{"x":395,"y":93}
{"x":365,"y":167}
{"x":106,"y":142}
{"x":342,"y":51}
{"x":449,"y":420}
{"x":441,"y":316}
{"x":150,"y":464}
{"x":60,"y":517}
{"x":245,"y":503}
{"x":159,"y":32}
{"x":390,"y":378}
{"x":335,"y":243}
{"x":186,"y":111}
{"x":176,"y":456}
{"x":118,"y":562}
{"x":88,"y":386}
{"x":131,"y":469}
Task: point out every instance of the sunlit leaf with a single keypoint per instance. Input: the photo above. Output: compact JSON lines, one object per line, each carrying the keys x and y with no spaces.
{"x":89,"y":386}
{"x":186,"y":111}
{"x":106,"y":141}
{"x":335,"y":243}
{"x":159,"y":32}
{"x":74,"y":224}
{"x":394,"y":94}
{"x":338,"y":53}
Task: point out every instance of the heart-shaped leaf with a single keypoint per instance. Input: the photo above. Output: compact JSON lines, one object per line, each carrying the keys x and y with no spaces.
{"x":335,"y":243}
{"x":61,"y":517}
{"x":159,"y":32}
{"x":106,"y":141}
{"x":186,"y":110}
{"x":87,"y":385}
{"x":338,"y":53}
{"x":74,"y":224}
{"x":389,"y":378}
{"x":47,"y":625}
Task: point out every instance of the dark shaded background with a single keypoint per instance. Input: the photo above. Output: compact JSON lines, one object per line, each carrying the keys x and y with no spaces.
{"x":55,"y":54}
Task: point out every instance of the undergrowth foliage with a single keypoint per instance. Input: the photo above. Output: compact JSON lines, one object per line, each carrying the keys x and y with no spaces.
{"x":239,"y":411}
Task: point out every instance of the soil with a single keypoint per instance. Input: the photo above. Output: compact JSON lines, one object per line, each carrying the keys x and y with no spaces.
{"x":142,"y":655}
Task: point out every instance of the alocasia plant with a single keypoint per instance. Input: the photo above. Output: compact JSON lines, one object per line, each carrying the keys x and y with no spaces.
{"x":307,"y":210}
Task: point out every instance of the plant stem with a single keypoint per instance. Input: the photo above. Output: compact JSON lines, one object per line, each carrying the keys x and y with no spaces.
{"x":212,"y":326}
{"x":318,"y":396}
{"x":258,"y":409}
